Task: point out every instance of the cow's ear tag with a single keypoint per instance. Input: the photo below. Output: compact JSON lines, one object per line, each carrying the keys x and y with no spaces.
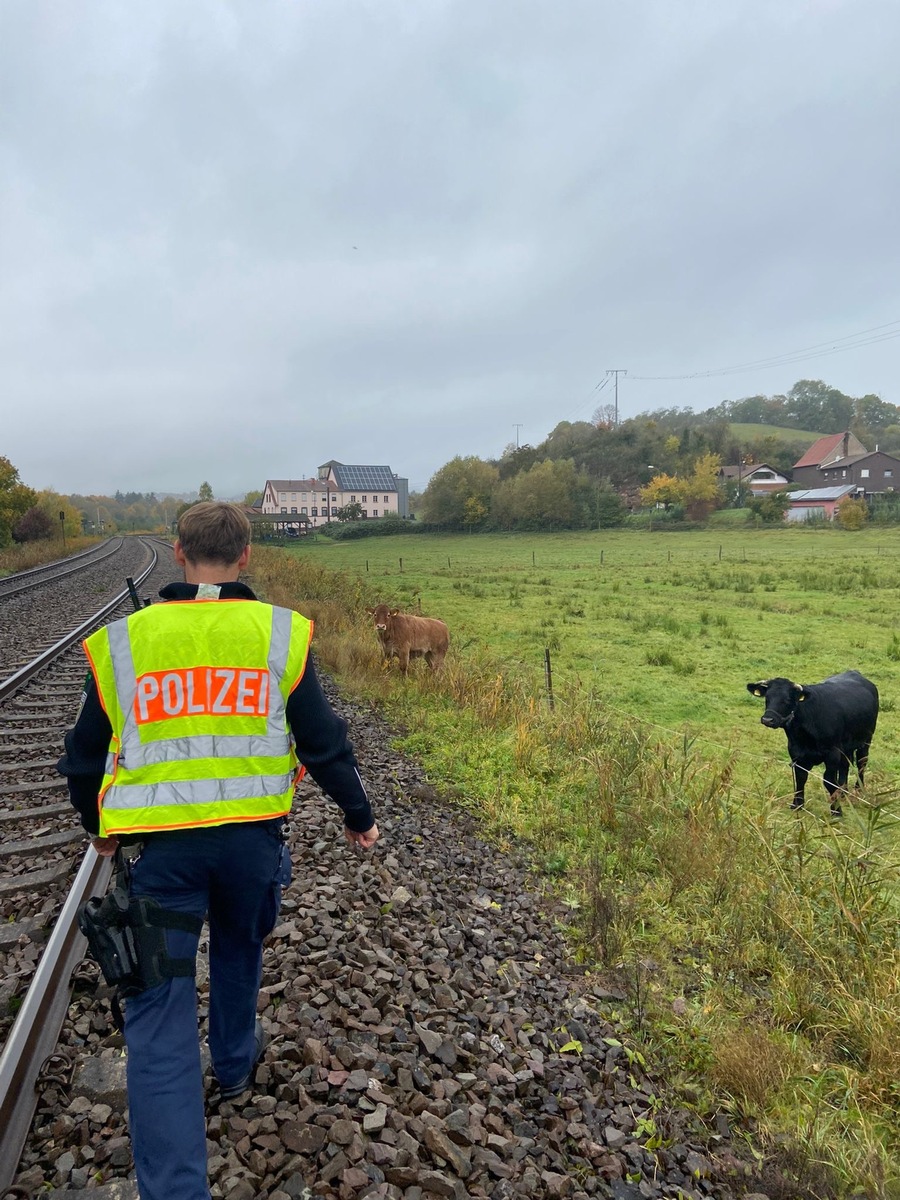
{"x":802,"y":696}
{"x":757,"y":691}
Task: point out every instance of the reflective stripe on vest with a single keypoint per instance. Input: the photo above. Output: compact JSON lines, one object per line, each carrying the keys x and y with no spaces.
{"x":195,"y":775}
{"x":139,"y":754}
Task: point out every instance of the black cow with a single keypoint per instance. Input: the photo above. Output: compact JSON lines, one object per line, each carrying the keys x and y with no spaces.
{"x":829,"y":722}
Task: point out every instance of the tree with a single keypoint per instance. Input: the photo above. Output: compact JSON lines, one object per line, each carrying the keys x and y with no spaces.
{"x":552,"y":495}
{"x":33,"y":526}
{"x":474,"y":512}
{"x":350,"y":512}
{"x":611,"y":508}
{"x":699,"y":492}
{"x":15,"y":499}
{"x":605,"y":416}
{"x":251,"y":498}
{"x":852,"y":514}
{"x":52,"y":503}
{"x":206,"y":492}
{"x":444,"y":500}
{"x":771,"y":508}
{"x":812,"y":404}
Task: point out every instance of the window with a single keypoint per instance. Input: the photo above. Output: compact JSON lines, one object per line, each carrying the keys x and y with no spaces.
{"x":284,"y":510}
{"x":364,"y":500}
{"x":314,"y":511}
{"x":385,"y":499}
{"x":864,"y":473}
{"x":333,"y":498}
{"x":303,"y":509}
{"x":844,"y":474}
{"x":888,"y":474}
{"x":282,"y":496}
{"x":303,"y":495}
{"x":334,"y":509}
{"x":364,"y":513}
{"x":293,"y":495}
{"x":374,"y":512}
{"x":352,"y":499}
{"x":293,"y":510}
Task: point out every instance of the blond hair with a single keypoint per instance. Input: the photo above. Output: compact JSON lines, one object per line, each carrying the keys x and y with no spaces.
{"x":213,"y":531}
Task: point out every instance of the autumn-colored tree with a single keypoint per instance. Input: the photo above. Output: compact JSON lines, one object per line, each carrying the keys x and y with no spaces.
{"x":852,"y":514}
{"x":33,"y":526}
{"x":52,"y":503}
{"x":699,"y":492}
{"x":15,"y":499}
{"x":474,"y":512}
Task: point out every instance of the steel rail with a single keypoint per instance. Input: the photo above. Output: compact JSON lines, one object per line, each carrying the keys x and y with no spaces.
{"x":78,"y":566}
{"x":35,"y":1032}
{"x":9,"y":685}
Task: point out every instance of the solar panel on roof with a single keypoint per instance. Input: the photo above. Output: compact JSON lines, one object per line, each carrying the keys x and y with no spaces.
{"x":365,"y":478}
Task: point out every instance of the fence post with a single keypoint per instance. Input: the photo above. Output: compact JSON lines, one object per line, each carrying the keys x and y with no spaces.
{"x":532,"y":558}
{"x":601,"y":558}
{"x":367,"y":566}
{"x":401,"y":566}
{"x":720,"y":554}
{"x":549,"y":674}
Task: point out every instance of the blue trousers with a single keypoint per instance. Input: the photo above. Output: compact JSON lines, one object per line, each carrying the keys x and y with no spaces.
{"x":232,"y":875}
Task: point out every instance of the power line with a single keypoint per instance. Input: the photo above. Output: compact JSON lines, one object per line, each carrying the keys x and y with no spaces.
{"x":803,"y":354}
{"x":592,"y":394}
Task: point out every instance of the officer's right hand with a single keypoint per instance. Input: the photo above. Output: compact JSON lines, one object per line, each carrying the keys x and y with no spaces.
{"x":366,"y":840}
{"x":107,"y":846}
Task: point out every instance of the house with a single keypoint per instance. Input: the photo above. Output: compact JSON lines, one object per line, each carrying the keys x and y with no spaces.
{"x":826,"y":452}
{"x":296,"y":505}
{"x":758,"y":478}
{"x":376,"y":488}
{"x":818,"y":503}
{"x":874,"y":472}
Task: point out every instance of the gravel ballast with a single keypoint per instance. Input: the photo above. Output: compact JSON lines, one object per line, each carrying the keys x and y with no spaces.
{"x":418,"y":998}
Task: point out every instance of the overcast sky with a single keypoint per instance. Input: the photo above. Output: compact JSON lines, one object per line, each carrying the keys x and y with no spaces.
{"x":238,"y":239}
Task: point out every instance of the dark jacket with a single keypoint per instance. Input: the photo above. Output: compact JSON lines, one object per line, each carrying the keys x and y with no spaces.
{"x":319,"y":733}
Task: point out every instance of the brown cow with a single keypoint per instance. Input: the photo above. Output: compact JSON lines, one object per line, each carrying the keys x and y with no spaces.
{"x":404,"y":636}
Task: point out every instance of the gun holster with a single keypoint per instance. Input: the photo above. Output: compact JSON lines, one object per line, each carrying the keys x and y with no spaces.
{"x":127,"y":937}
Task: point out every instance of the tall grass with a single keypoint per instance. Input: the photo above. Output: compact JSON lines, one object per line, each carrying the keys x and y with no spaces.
{"x":760,"y":947}
{"x":35,"y":554}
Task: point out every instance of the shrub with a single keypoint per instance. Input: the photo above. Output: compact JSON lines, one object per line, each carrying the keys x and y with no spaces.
{"x":33,"y":526}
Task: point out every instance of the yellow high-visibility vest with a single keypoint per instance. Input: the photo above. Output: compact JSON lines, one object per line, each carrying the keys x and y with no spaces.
{"x":195,"y":692}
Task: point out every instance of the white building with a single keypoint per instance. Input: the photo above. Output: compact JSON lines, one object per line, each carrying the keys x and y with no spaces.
{"x":293,"y":503}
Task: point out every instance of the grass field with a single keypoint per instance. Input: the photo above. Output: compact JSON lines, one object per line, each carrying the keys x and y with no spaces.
{"x":667,"y":627}
{"x":755,"y":432}
{"x":758,"y":948}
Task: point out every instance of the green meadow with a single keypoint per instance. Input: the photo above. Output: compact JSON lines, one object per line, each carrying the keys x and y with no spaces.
{"x":757,"y":948}
{"x":668,"y":627}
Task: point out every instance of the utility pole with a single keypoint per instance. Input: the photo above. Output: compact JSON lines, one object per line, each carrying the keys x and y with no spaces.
{"x":617,"y":372}
{"x":517,"y":427}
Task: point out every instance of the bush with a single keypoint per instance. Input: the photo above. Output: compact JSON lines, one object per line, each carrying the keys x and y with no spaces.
{"x":380,"y":527}
{"x":33,"y":526}
{"x":852,"y":514}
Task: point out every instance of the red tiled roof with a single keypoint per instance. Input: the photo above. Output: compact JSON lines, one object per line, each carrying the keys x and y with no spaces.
{"x":820,"y":450}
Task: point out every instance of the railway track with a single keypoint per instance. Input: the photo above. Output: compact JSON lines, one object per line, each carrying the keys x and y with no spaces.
{"x":44,"y":875}
{"x":24,"y":581}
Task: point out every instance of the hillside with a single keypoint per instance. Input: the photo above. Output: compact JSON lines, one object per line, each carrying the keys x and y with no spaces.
{"x":755,"y":433}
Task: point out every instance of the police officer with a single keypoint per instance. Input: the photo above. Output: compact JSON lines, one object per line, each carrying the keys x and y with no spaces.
{"x":185,"y":751}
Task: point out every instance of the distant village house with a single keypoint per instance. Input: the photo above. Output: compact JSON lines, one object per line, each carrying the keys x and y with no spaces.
{"x":294,"y":506}
{"x":758,"y":478}
{"x":842,"y":459}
